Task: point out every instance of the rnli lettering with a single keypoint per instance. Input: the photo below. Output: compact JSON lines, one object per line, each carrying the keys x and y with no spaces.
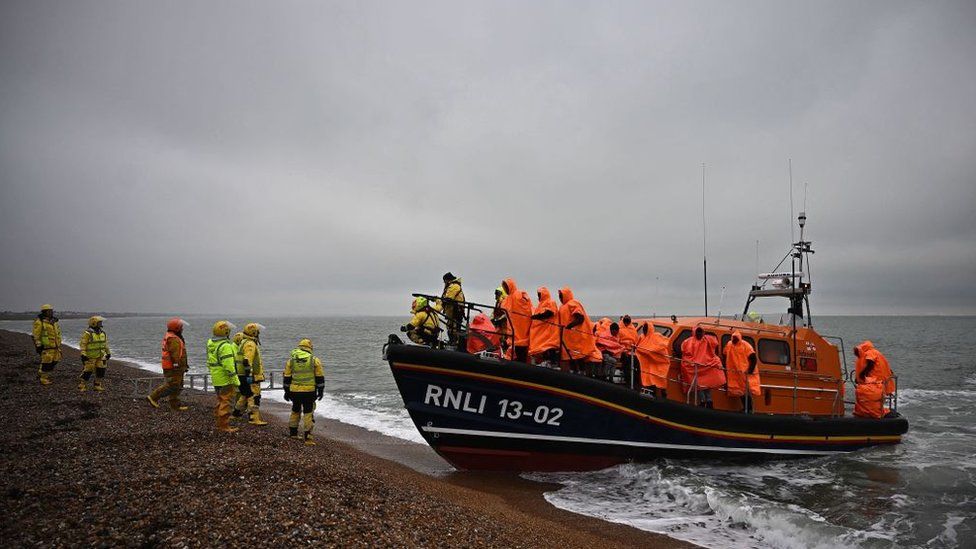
{"x":455,"y":398}
{"x":466,"y":401}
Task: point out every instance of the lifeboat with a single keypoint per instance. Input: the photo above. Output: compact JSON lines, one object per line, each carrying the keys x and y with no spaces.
{"x":483,"y":412}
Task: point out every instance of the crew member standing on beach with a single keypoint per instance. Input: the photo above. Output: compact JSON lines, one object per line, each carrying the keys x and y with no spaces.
{"x":253,"y":371}
{"x":174,"y":366}
{"x":304,"y":382}
{"x":223,"y":373}
{"x":450,"y":301}
{"x":239,"y":401}
{"x":94,"y":354}
{"x":47,"y":342}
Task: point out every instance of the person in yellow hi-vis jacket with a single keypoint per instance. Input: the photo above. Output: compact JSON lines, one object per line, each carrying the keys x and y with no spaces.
{"x":220,"y":362}
{"x":250,"y":350}
{"x":47,"y":342}
{"x":95,"y":354}
{"x":304,"y":382}
{"x":239,"y":401}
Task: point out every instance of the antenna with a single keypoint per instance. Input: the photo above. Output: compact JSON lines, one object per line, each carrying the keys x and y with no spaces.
{"x":704,"y":251}
{"x":792,"y":233}
{"x":721,"y":300}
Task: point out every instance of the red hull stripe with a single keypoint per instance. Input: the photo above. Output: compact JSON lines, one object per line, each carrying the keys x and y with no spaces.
{"x":846,"y":440}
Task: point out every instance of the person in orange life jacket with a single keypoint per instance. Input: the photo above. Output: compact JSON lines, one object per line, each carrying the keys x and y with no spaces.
{"x":482,"y":336}
{"x":653,"y":355}
{"x":701,"y":366}
{"x":518,"y":309}
{"x":544,"y":330}
{"x":628,"y":339}
{"x":578,"y":340}
{"x":870,"y":362}
{"x":608,"y":342}
{"x":174,"y":366}
{"x":742,"y":371}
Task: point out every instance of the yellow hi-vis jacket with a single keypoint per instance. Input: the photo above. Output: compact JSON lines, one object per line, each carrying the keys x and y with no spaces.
{"x":94,"y":345}
{"x":305,"y":371}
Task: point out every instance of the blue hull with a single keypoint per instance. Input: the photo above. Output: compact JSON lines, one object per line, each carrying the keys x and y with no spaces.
{"x":498,"y":415}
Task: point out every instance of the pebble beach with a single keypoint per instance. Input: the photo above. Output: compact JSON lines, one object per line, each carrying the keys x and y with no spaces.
{"x":105,"y":469}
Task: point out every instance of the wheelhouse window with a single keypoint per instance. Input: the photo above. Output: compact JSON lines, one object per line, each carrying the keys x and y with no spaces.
{"x":774,"y":351}
{"x":663,"y":330}
{"x":676,"y":344}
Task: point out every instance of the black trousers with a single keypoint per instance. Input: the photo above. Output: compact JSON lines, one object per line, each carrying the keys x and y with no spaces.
{"x":303,"y":402}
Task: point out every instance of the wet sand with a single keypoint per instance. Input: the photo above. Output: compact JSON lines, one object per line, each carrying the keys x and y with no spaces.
{"x":105,"y":469}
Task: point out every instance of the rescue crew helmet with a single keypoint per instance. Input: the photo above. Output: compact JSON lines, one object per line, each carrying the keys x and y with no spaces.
{"x":95,"y":321}
{"x":306,"y":344}
{"x":176,"y":325}
{"x":253,"y":329}
{"x":223,"y":328}
{"x":47,"y":307}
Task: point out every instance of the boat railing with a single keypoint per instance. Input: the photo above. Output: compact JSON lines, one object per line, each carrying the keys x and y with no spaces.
{"x":141,"y":386}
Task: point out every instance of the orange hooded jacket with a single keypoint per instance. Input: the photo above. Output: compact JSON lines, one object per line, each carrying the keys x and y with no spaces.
{"x":518,"y":306}
{"x":606,"y":341}
{"x":701,"y":353}
{"x":870,"y":398}
{"x":655,"y":361}
{"x":482,"y":335}
{"x":578,"y":343}
{"x":544,"y":334}
{"x":737,"y":353}
{"x":882,"y":370}
{"x":628,"y":336}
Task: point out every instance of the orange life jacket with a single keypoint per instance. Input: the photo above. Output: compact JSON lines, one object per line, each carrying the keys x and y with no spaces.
{"x":579,"y":342}
{"x":482,"y":335}
{"x":737,"y":352}
{"x":655,"y":362}
{"x":700,"y":353}
{"x":870,"y":398}
{"x":518,"y":305}
{"x":606,"y":341}
{"x":169,"y":362}
{"x":544,"y":334}
{"x":628,"y":336}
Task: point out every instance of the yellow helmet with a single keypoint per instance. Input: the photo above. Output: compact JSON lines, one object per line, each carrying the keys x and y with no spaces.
{"x":418,"y":304}
{"x":95,"y":321}
{"x":47,"y":307}
{"x":238,"y":337}
{"x":222,"y":328}
{"x":253,"y":329}
{"x":306,"y":344}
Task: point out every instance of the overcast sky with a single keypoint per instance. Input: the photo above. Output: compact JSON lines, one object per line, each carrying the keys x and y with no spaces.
{"x":332,"y":157}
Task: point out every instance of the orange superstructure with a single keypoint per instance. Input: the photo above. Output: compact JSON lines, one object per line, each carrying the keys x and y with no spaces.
{"x":805,"y":379}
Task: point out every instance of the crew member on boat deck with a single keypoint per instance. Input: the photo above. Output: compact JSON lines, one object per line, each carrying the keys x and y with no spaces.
{"x":628,"y":339}
{"x":742,"y":370}
{"x":253,"y":371}
{"x":304,"y":382}
{"x":870,"y":362}
{"x":482,"y":336}
{"x":655,"y":361}
{"x":544,"y":331}
{"x":223,"y":373}
{"x":518,"y":308}
{"x":174,"y":366}
{"x":870,"y":395}
{"x":577,"y":339}
{"x":423,"y":328}
{"x":701,"y":366}
{"x":453,"y":312}
{"x":94,"y":354}
{"x":47,"y":342}
{"x":608,"y":342}
{"x":499,"y":317}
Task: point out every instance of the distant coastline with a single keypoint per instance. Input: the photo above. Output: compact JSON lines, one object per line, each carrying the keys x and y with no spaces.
{"x":28,"y":315}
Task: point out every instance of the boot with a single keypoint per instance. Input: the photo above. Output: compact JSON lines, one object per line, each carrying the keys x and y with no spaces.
{"x":309,"y":441}
{"x":293,"y":433}
{"x":98,"y":386}
{"x":82,"y":386}
{"x":45,"y":378}
{"x":178,"y":407}
{"x":152,"y":402}
{"x":223,"y":424}
{"x":256,"y":418}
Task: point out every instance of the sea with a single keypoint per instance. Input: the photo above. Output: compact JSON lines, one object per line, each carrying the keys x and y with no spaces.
{"x":921,"y":493}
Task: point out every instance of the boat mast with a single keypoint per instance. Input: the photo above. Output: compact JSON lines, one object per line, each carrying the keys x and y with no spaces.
{"x":704,"y":251}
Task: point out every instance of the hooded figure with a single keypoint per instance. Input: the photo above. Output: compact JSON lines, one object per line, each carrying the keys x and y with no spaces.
{"x":628,"y":333}
{"x":518,"y":308}
{"x":544,"y":330}
{"x":578,"y":341}
{"x":655,"y":360}
{"x":870,"y":394}
{"x":698,"y":354}
{"x":608,"y":339}
{"x":741,"y":367}
{"x":870,"y":362}
{"x":482,"y":335}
